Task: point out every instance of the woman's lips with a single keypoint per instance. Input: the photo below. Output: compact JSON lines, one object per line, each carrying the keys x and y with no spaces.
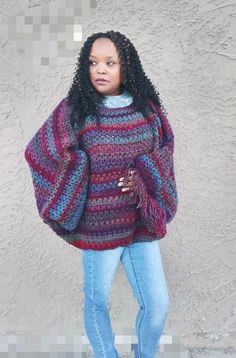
{"x":101,"y":82}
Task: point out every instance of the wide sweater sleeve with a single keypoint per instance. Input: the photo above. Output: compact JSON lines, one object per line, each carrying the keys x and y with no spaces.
{"x":59,"y":171}
{"x":155,"y":187}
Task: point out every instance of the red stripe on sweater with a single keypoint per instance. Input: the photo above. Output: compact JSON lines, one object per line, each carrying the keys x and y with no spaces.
{"x":55,"y":129}
{"x":108,"y":127}
{"x":101,"y":246}
{"x":109,"y":175}
{"x":113,"y":147}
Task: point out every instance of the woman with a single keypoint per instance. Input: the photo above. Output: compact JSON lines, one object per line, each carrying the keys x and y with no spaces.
{"x":103,"y":174}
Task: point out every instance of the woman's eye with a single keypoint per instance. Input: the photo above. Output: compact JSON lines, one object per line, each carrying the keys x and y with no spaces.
{"x":92,"y":62}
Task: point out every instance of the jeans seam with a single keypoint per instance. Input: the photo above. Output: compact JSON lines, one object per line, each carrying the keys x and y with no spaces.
{"x":139,"y":336}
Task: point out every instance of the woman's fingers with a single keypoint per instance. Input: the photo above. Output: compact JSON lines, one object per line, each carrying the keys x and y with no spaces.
{"x":122,"y":182}
{"x":127,"y":184}
{"x":130,"y":182}
{"x":130,"y":175}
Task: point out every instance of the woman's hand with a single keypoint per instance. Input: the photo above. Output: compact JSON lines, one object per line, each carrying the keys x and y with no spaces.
{"x":129,"y":185}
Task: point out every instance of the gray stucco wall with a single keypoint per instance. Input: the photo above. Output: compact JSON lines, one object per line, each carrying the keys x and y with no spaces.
{"x":188,"y":49}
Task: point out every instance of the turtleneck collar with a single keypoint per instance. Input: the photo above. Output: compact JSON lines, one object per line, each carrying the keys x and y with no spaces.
{"x":121,"y":100}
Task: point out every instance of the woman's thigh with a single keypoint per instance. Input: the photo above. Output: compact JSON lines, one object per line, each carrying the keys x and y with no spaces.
{"x":99,"y":267}
{"x":143,"y":266}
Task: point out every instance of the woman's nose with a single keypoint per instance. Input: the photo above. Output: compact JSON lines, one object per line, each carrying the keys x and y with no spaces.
{"x":101,"y":72}
{"x":101,"y":69}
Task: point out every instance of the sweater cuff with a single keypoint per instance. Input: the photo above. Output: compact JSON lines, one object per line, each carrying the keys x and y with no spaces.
{"x":152,"y":213}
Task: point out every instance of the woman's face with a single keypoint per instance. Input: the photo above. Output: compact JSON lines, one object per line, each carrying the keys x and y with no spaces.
{"x":104,"y":63}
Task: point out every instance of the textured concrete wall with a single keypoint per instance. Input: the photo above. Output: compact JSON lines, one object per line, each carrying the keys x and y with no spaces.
{"x":188,"y":49}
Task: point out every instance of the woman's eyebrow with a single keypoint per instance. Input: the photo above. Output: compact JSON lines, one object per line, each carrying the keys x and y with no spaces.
{"x":106,"y":56}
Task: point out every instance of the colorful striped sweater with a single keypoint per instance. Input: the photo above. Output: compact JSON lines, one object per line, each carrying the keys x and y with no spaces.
{"x":75,"y":175}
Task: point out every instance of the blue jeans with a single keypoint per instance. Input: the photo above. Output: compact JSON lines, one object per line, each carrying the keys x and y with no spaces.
{"x":143,"y":266}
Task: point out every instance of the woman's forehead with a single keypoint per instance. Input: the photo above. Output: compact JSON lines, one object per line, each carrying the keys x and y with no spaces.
{"x":104,"y":48}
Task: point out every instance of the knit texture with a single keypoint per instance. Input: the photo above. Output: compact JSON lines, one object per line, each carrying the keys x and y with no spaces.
{"x":155,"y":185}
{"x":76,"y":173}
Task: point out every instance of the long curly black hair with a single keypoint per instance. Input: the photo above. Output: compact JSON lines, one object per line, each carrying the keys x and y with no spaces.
{"x":84,"y":99}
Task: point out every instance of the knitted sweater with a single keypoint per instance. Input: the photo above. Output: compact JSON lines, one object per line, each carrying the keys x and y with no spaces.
{"x":75,"y":176}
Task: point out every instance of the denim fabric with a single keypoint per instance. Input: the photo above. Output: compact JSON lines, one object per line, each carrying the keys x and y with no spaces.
{"x":143,"y":266}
